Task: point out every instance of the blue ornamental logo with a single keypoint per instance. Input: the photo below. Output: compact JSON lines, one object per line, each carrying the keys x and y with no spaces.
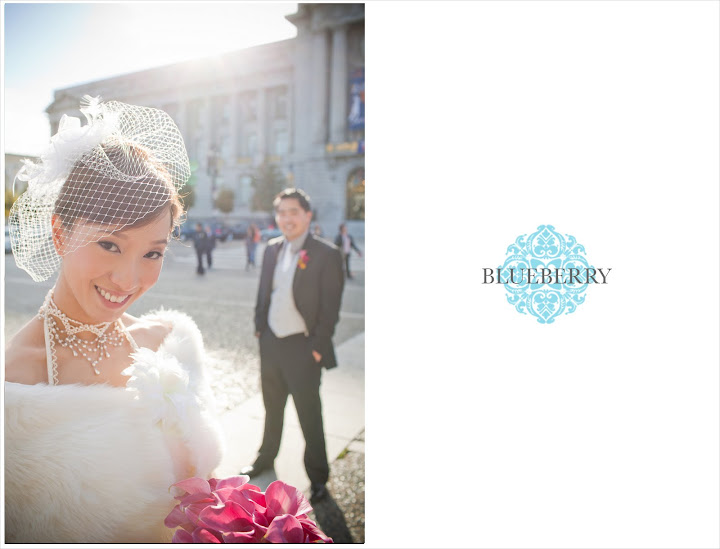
{"x":546,"y":274}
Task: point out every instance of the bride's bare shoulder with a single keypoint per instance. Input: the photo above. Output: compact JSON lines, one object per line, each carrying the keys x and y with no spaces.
{"x":25,"y":358}
{"x":147,"y":332}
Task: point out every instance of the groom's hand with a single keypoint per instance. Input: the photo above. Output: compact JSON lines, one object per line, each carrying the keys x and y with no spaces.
{"x":317,"y":356}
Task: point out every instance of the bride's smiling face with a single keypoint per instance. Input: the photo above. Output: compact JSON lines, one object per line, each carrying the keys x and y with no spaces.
{"x":100,"y":279}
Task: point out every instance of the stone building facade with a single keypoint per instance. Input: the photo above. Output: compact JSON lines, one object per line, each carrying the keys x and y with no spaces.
{"x":297,"y":103}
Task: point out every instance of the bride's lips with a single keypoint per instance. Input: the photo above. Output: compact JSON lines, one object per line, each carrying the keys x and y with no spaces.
{"x":111,"y":299}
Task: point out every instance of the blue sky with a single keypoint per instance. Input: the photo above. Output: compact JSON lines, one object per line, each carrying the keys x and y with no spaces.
{"x":51,"y":46}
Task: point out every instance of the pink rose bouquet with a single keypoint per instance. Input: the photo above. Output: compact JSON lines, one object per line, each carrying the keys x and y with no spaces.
{"x":231,"y":510}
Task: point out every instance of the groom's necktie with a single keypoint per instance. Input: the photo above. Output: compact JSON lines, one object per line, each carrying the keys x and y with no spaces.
{"x":287,"y":256}
{"x":284,"y":318}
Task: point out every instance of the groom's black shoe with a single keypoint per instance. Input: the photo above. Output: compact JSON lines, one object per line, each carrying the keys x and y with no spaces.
{"x":318,"y":492}
{"x":255,"y":469}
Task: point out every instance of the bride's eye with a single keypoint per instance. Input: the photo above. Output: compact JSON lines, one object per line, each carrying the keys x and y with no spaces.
{"x":109,"y":246}
{"x":154,"y":255}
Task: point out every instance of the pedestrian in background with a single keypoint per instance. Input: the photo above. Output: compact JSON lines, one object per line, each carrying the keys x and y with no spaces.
{"x":345,"y":242}
{"x":252,"y":237}
{"x":211,"y":244}
{"x":201,"y":241}
{"x":298,"y":306}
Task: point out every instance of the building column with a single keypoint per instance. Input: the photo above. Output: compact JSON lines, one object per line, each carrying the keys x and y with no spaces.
{"x":181,"y":122}
{"x":202,"y":136}
{"x":234,"y":127}
{"x":338,"y":85}
{"x":231,"y":168}
{"x":180,"y":119}
{"x":54,"y":123}
{"x":319,"y":99}
{"x":261,"y":125}
{"x":290,"y":121}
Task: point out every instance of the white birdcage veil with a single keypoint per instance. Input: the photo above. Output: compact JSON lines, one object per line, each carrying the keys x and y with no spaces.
{"x":121,"y":167}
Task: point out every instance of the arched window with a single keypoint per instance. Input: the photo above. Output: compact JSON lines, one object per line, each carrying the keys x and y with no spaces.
{"x":356,"y":195}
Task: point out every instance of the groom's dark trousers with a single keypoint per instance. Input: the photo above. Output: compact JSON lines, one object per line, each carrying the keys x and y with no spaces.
{"x":287,"y":366}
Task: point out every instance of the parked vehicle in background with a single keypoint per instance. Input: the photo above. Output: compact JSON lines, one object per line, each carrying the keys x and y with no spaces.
{"x":221,"y":231}
{"x":225,"y":233}
{"x":186,"y":231}
{"x":238,"y":231}
{"x":267,"y":234}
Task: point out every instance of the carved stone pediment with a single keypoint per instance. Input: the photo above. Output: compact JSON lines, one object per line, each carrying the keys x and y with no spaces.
{"x":318,"y":17}
{"x":325,"y":16}
{"x":63,"y":103}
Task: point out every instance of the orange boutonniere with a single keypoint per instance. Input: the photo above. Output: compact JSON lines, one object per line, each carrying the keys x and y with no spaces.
{"x":303,"y":259}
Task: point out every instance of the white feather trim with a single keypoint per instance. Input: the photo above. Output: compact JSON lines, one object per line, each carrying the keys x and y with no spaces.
{"x":68,"y":145}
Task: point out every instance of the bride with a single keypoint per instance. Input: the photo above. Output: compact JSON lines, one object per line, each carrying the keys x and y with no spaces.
{"x":103,"y":411}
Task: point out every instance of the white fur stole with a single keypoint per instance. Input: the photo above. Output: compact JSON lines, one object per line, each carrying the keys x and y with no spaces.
{"x":94,"y":463}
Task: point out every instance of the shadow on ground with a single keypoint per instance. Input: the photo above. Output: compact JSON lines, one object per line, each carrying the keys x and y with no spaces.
{"x":342,"y":515}
{"x":331,"y":520}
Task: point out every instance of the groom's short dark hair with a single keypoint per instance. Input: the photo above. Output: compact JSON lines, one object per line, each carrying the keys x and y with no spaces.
{"x":299,"y":194}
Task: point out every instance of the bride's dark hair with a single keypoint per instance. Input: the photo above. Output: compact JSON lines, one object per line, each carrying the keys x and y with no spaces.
{"x":138,"y":194}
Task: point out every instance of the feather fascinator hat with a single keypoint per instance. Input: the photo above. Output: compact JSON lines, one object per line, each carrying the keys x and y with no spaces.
{"x":119,"y":168}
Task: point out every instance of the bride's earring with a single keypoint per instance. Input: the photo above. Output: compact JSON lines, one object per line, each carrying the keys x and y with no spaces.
{"x":58,"y":234}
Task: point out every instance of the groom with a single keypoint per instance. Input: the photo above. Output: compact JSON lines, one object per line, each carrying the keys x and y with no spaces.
{"x":298,"y":305}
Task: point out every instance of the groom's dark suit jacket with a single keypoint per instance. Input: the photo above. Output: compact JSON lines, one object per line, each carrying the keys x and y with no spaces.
{"x":317,"y":290}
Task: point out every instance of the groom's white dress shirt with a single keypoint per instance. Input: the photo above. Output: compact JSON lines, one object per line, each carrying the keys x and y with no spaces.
{"x":283,"y":317}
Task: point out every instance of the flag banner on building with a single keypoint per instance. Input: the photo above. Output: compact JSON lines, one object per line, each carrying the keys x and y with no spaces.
{"x":356,"y":118}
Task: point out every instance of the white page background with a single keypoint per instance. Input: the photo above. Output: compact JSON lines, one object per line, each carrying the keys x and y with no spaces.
{"x":484,"y":427}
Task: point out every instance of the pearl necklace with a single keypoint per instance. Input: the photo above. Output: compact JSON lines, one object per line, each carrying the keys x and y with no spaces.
{"x":98,"y":347}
